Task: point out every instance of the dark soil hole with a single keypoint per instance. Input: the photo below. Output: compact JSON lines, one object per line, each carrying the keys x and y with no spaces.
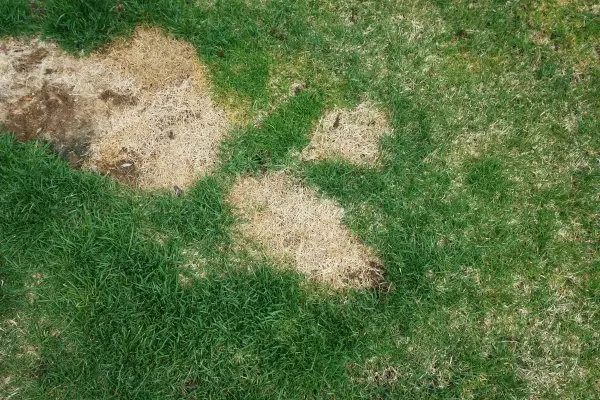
{"x":118,"y":99}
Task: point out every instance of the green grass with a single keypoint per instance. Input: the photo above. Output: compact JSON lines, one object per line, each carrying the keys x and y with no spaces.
{"x":485,"y":213}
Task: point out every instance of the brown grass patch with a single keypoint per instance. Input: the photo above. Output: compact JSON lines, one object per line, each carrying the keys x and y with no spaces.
{"x":140,"y":111}
{"x":298,"y":227}
{"x":353,"y":135}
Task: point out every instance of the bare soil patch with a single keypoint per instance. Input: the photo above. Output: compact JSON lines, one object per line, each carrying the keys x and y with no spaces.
{"x":141,"y":110}
{"x":30,"y":60}
{"x":299,"y":228}
{"x":353,"y":135}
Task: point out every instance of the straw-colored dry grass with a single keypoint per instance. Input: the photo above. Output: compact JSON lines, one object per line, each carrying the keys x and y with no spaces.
{"x":353,"y":135}
{"x":296,"y":226}
{"x":141,"y":110}
{"x":154,"y":59}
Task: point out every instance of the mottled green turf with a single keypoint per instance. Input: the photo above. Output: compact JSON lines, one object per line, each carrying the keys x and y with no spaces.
{"x":486,"y":213}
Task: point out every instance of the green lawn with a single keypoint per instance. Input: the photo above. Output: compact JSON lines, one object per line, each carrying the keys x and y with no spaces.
{"x":486,"y":213}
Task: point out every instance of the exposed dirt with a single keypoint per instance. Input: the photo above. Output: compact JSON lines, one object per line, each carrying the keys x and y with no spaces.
{"x":300,"y":229}
{"x":352,"y":135}
{"x":48,"y":110}
{"x":140,"y":111}
{"x":29,"y":61}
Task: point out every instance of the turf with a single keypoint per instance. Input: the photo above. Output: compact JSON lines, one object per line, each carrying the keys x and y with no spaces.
{"x":485,"y":213}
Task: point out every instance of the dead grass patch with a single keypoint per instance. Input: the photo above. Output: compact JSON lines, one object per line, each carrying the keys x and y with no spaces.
{"x":168,"y":138}
{"x":195,"y":268}
{"x":140,"y":111}
{"x":298,"y":227}
{"x":376,"y":371}
{"x":353,"y":135}
{"x":548,"y":354}
{"x":18,"y":350}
